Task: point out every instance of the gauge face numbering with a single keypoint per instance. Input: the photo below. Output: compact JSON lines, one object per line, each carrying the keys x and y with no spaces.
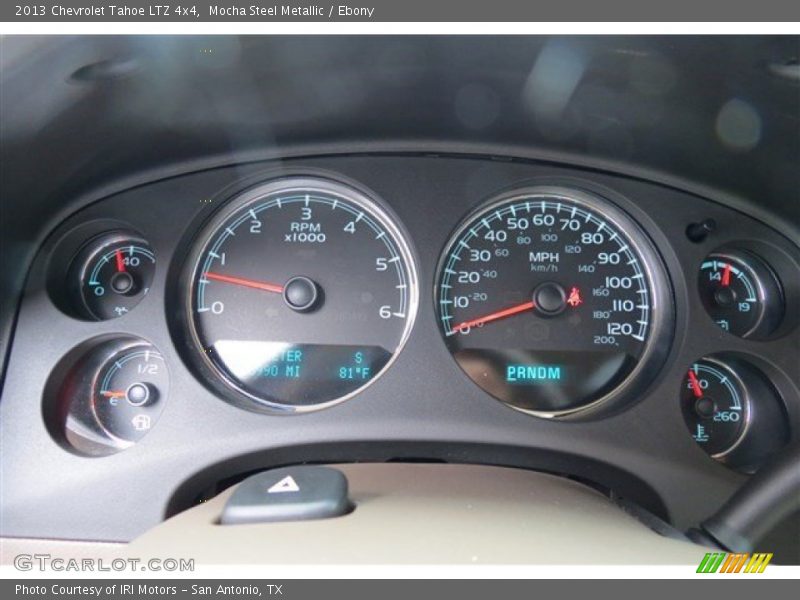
{"x":302,"y":293}
{"x":549,"y":299}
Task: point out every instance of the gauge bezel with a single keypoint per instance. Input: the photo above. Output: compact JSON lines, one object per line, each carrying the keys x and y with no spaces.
{"x":220,"y":381}
{"x":662,"y":309}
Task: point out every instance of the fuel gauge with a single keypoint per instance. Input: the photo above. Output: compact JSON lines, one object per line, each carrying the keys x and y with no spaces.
{"x":741,"y":293}
{"x":128,"y":392}
{"x":107,"y":394}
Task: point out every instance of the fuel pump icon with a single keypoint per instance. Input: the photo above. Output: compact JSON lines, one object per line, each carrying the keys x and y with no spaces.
{"x":141,"y":422}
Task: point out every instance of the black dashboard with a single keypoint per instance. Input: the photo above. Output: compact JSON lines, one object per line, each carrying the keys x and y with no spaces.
{"x":426,"y":298}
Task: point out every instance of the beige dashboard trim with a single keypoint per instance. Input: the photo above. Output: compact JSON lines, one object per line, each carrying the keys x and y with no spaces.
{"x":65,"y":549}
{"x":430,"y":514}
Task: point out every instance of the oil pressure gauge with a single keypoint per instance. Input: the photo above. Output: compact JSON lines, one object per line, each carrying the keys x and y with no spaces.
{"x":111,"y":275}
{"x":741,"y":293}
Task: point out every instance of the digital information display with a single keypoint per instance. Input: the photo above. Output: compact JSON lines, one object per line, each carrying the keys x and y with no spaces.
{"x":543,"y":378}
{"x":305,"y":372}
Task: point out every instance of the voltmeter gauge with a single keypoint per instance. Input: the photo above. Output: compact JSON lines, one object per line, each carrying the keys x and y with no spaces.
{"x":732,"y":411}
{"x":111,"y":275}
{"x":741,"y":293}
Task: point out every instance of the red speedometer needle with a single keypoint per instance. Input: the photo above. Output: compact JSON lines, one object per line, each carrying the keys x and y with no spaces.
{"x":109,"y":394}
{"x":726,"y":275}
{"x":696,"y":390}
{"x":258,"y":285}
{"x":120,"y":261}
{"x":500,"y":314}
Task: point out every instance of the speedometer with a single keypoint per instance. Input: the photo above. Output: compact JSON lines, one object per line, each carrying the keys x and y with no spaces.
{"x":552,"y":300}
{"x":301,"y":293}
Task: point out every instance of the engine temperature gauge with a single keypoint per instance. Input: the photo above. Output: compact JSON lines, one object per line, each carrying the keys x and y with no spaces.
{"x":732,"y":411}
{"x":741,"y":293}
{"x":714,"y":406}
{"x":112,"y":273}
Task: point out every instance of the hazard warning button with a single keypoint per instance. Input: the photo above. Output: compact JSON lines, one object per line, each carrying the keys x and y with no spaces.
{"x":288,"y":494}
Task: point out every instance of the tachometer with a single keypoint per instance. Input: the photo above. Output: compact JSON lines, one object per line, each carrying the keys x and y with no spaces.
{"x":302,"y":292}
{"x":552,"y":300}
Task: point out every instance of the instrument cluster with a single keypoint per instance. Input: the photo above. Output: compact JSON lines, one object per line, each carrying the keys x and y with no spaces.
{"x":296,"y":292}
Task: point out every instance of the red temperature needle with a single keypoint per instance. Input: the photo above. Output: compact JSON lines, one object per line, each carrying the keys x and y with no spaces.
{"x":726,"y":275}
{"x":258,"y":285}
{"x":696,"y":390}
{"x":500,"y":314}
{"x":120,"y":261}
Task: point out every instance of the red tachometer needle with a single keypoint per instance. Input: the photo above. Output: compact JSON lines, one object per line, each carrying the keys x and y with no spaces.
{"x":696,"y":390}
{"x":108,"y":394}
{"x":726,"y":275}
{"x":500,"y":314}
{"x":258,"y":285}
{"x":120,"y":261}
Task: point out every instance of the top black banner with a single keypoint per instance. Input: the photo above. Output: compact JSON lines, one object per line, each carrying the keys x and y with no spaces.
{"x":463,"y":11}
